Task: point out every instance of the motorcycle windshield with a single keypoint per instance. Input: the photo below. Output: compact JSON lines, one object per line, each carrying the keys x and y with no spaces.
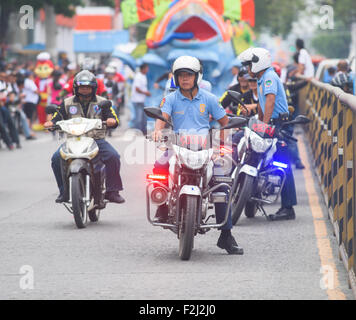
{"x":262,"y":129}
{"x":193,"y":142}
{"x":79,"y":126}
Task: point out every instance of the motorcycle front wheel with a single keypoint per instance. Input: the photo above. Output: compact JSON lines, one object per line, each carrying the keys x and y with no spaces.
{"x":187,"y":226}
{"x":250,"y":209}
{"x":242,"y":190}
{"x":79,"y":207}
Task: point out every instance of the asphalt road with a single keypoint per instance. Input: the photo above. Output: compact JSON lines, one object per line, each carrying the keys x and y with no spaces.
{"x":44,"y":256}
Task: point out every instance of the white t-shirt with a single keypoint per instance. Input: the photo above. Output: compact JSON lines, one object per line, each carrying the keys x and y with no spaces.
{"x":304,"y":58}
{"x":140,"y":81}
{"x":29,"y":90}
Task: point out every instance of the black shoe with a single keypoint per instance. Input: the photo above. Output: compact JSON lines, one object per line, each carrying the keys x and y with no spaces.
{"x":61,"y":198}
{"x":114,"y":197}
{"x":283,"y":214}
{"x":228,"y":243}
{"x":31,"y":138}
{"x":299,"y":165}
{"x":161,"y":215}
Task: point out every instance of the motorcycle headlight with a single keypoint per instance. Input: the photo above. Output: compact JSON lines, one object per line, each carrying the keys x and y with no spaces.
{"x":64,"y":152}
{"x":92,"y":151}
{"x":193,"y":159}
{"x":259,"y":144}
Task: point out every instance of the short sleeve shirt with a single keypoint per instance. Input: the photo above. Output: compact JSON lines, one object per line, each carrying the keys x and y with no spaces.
{"x":270,"y":83}
{"x":304,"y":58}
{"x":192,"y":115}
{"x":140,"y":81}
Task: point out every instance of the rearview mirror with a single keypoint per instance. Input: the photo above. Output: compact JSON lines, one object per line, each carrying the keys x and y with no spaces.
{"x":52,"y":108}
{"x":236,"y":122}
{"x":235,"y":96}
{"x":156,"y":113}
{"x":301,"y":120}
{"x":106,"y":104}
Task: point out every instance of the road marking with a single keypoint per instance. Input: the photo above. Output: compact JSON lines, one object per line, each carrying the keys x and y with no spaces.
{"x":320,"y":228}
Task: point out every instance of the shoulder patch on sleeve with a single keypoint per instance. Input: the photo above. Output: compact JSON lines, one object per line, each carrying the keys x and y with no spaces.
{"x":162,"y":102}
{"x":268,"y":83}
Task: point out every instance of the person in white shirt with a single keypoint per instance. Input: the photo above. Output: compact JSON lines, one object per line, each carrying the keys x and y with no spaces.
{"x":305,"y":64}
{"x":30,"y":92}
{"x":138,"y":97}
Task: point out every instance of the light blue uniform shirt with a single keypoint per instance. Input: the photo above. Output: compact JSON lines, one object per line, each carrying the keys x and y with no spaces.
{"x":270,"y":83}
{"x":192,"y":115}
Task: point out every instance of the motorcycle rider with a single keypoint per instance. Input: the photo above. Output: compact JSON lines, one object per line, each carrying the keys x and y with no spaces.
{"x":272,"y":102}
{"x":84,"y":103}
{"x":189,"y":107}
{"x":88,"y":64}
{"x":242,"y":87}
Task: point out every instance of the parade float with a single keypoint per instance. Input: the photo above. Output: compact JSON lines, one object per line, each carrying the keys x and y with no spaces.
{"x":214,"y":31}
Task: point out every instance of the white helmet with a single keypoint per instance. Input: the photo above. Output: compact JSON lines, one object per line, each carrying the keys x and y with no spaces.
{"x":261,"y":60}
{"x":245,"y":56}
{"x":188,"y":64}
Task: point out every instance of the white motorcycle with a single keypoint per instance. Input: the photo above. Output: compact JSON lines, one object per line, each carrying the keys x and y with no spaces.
{"x":83,"y":173}
{"x":189,"y":188}
{"x":258,"y":177}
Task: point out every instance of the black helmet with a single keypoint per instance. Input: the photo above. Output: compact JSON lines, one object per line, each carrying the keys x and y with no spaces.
{"x":340,"y":80}
{"x":85,"y":78}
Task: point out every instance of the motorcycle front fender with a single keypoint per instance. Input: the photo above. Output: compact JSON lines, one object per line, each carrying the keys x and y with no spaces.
{"x":190,"y":190}
{"x":79,"y":165}
{"x":249,"y":170}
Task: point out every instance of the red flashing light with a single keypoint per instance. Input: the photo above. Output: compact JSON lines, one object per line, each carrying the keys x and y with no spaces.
{"x":157,"y":177}
{"x":225,"y":150}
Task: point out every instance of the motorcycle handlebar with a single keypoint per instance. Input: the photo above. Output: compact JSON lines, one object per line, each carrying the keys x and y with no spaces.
{"x":57,"y":127}
{"x":164,"y":139}
{"x":284,"y":134}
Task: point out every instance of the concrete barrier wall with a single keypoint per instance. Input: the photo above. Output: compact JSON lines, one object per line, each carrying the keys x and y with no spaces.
{"x":332,"y":137}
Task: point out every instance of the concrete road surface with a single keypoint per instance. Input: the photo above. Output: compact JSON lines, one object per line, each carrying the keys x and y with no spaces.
{"x":44,"y":256}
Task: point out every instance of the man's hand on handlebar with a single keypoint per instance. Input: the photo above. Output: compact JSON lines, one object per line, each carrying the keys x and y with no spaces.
{"x":157,"y":135}
{"x":110,"y":122}
{"x":48,"y":124}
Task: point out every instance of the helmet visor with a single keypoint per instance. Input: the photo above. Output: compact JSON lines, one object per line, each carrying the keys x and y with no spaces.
{"x":85,"y":83}
{"x":185,"y":70}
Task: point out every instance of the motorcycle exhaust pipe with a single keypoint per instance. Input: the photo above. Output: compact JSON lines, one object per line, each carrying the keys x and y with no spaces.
{"x":159,"y":195}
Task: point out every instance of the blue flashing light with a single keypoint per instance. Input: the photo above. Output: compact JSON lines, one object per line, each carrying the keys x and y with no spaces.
{"x":280,"y":164}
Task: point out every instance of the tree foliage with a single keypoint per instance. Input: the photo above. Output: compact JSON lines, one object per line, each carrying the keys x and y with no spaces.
{"x":65,"y":7}
{"x":335,"y":43}
{"x":344,"y":10}
{"x":332,"y":45}
{"x":277,"y":16}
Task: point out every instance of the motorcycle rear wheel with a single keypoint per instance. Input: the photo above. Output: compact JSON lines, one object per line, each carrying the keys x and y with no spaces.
{"x":79,"y":207}
{"x":187,"y":227}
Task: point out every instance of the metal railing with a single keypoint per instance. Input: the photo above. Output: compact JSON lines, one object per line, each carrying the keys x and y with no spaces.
{"x":332,"y":137}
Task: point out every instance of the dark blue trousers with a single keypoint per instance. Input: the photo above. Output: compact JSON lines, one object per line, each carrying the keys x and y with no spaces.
{"x":162,"y":166}
{"x":108,"y":155}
